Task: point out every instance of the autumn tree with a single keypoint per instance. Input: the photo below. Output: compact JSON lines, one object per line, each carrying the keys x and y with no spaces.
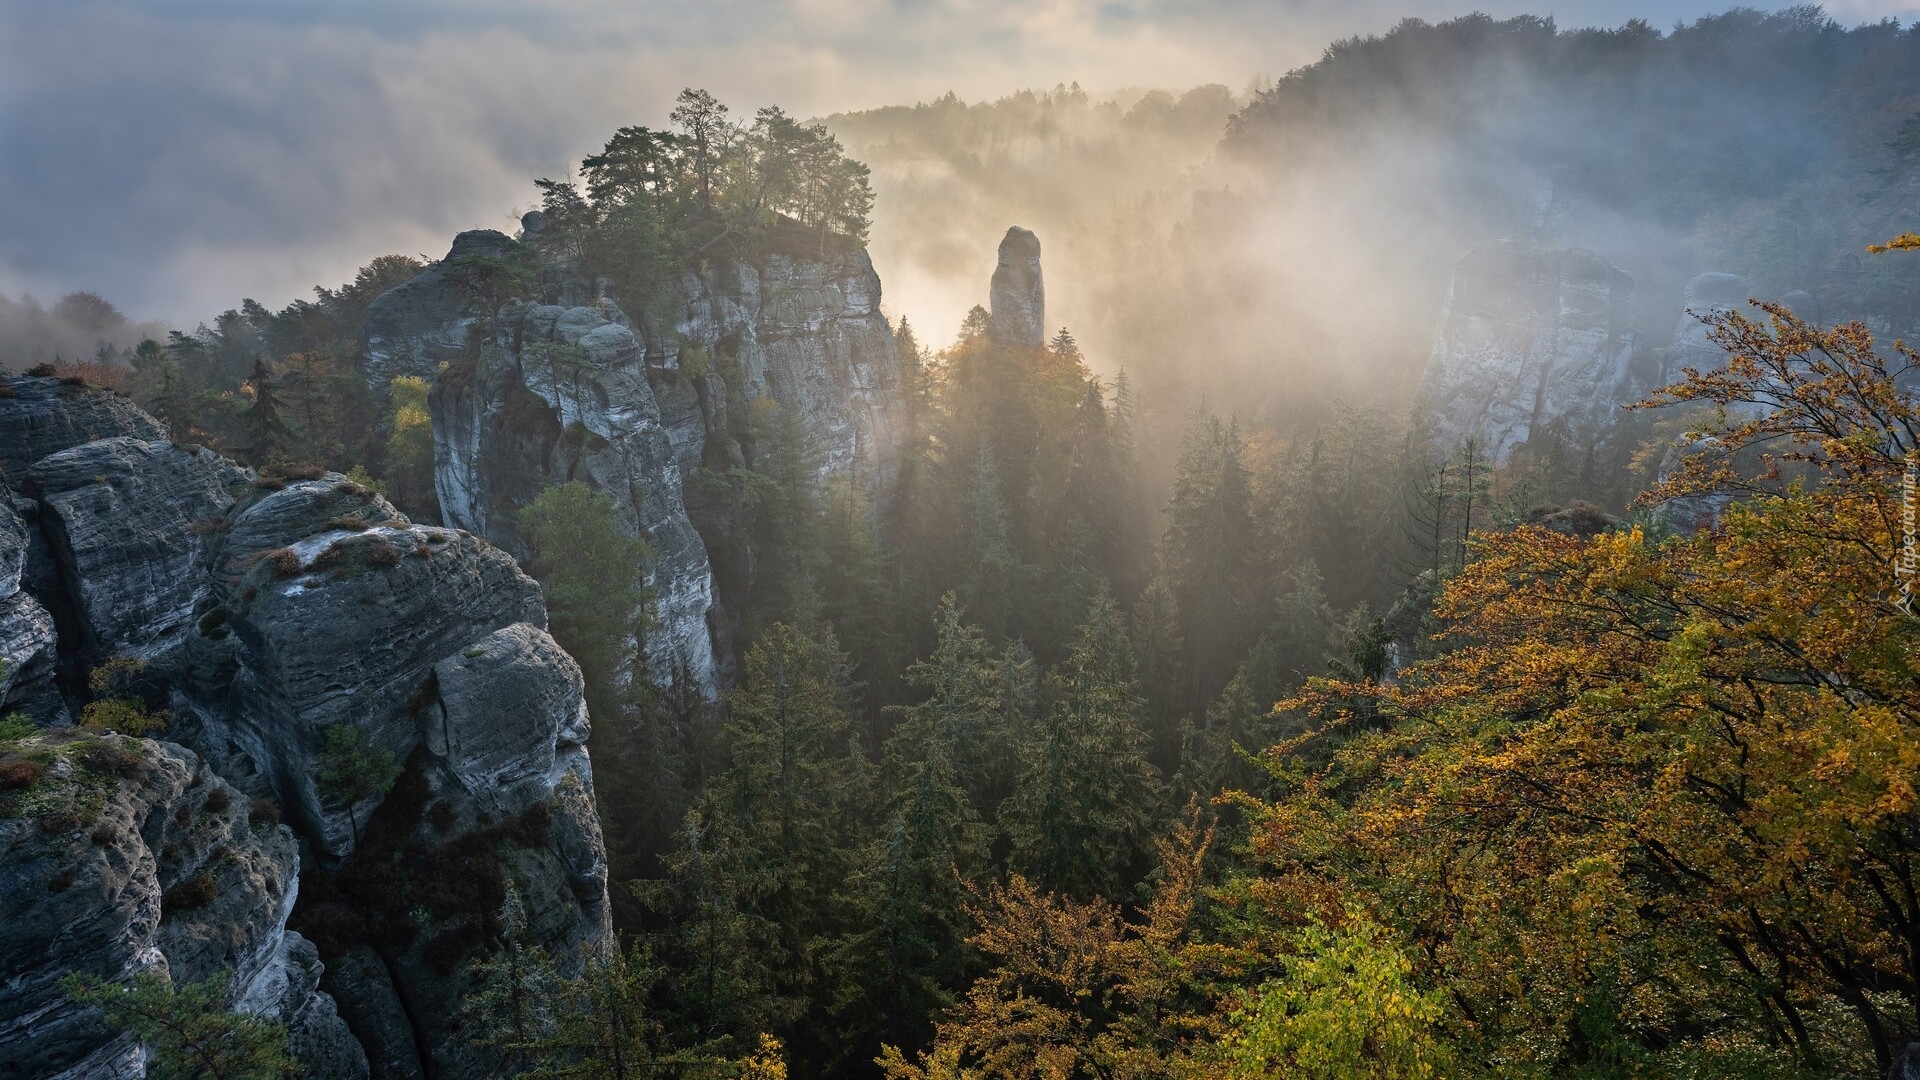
{"x":1654,"y":803}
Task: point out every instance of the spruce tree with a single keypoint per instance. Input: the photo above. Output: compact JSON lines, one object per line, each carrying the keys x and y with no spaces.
{"x":265,"y":432}
{"x":992,"y":573}
{"x":754,"y":887}
{"x":1211,"y":556}
{"x":187,"y":1031}
{"x":1082,"y":814}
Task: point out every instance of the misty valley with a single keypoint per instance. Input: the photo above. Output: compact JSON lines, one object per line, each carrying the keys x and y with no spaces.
{"x":1402,"y":569}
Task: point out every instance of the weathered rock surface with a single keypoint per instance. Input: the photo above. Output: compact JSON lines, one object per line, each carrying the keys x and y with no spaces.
{"x":28,"y":642}
{"x":1707,"y":294}
{"x":127,"y":520}
{"x":649,"y":411}
{"x":511,"y":718}
{"x":1019,"y":296}
{"x":1529,"y":338}
{"x":576,"y":404}
{"x":41,"y":416}
{"x":130,"y":855}
{"x":274,"y":613}
{"x":410,"y":329}
{"x":395,"y":599}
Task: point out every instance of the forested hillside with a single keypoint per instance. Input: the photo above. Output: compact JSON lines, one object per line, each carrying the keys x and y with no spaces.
{"x":1204,"y":687}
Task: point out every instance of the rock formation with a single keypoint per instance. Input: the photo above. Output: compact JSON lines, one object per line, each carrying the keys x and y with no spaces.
{"x":1528,"y":338}
{"x":272,"y":613}
{"x":412,"y":328}
{"x":1707,"y":294}
{"x":1019,"y":297}
{"x":119,"y":856}
{"x":28,"y":642}
{"x":569,"y":386}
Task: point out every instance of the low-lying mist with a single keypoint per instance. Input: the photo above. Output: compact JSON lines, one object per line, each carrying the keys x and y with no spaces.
{"x":1269,"y":253}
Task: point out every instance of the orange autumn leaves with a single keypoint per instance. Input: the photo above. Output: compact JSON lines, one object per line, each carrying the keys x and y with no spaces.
{"x":1660,"y":791}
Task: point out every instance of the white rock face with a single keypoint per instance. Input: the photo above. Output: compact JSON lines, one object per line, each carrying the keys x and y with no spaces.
{"x":1528,"y":338}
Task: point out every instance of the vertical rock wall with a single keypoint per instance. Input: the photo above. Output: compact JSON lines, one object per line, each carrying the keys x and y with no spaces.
{"x":649,"y":409}
{"x":274,"y":615}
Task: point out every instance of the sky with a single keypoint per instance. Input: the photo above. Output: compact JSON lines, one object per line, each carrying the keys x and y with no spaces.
{"x":177,"y":155}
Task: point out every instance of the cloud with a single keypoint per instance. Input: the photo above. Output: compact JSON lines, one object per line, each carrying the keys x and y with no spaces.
{"x":176,"y":155}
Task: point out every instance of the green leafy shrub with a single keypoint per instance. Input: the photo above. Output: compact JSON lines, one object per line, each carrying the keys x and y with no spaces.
{"x":123,"y":715}
{"x":17,"y":726}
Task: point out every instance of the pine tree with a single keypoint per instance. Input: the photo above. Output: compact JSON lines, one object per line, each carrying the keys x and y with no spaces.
{"x":1157,"y":649}
{"x":266,"y":433}
{"x":754,"y":884}
{"x":786,"y":513}
{"x":856,"y":591}
{"x":961,"y":720}
{"x":1081,"y":815}
{"x":188,"y":1031}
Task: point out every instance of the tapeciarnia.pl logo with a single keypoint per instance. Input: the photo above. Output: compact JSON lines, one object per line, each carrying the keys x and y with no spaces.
{"x":1907,"y":565}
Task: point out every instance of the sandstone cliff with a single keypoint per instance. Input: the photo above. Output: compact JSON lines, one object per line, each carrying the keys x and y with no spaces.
{"x":271,"y":613}
{"x":1019,"y":293}
{"x":1528,"y":338}
{"x":648,"y":406}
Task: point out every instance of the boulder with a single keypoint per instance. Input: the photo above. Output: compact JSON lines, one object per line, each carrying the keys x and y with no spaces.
{"x":511,"y":718}
{"x":127,"y":856}
{"x":414,"y":326}
{"x":344,"y":627}
{"x":44,"y":415}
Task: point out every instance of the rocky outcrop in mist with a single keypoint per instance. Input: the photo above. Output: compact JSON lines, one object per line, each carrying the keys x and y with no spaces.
{"x":272,"y":615}
{"x":570,"y":385}
{"x":1528,"y":338}
{"x":1019,"y":294}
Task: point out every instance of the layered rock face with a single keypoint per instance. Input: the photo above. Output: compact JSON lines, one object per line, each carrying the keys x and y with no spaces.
{"x":125,"y":856}
{"x":413,"y":328}
{"x":573,"y":388}
{"x":1019,"y":296}
{"x":277,"y":615}
{"x":1529,"y":338}
{"x":28,"y":641}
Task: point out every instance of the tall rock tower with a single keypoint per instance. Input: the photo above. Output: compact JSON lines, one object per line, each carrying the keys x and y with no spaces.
{"x":1019,"y":296}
